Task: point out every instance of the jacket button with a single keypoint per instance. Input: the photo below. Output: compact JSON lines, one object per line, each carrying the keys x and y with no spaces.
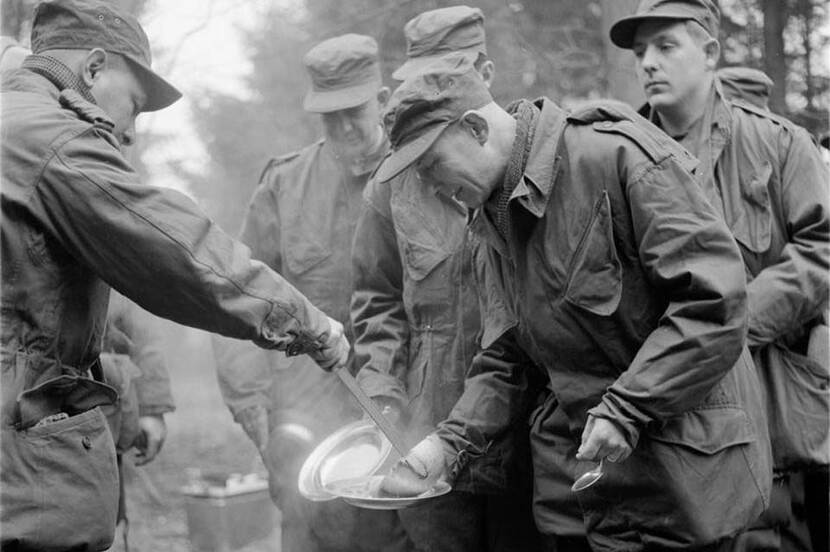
{"x":86,"y":442}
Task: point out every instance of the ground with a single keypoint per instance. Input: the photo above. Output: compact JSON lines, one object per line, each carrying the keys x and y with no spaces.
{"x":202,"y":435}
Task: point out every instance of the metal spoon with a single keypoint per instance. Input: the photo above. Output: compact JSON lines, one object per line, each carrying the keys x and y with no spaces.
{"x":588,"y":478}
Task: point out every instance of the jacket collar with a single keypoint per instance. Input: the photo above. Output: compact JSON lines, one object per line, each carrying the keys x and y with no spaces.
{"x":534,"y":189}
{"x":717,"y":113}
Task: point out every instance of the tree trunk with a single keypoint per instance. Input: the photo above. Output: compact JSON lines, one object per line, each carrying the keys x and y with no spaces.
{"x":621,"y":79}
{"x":775,"y":64}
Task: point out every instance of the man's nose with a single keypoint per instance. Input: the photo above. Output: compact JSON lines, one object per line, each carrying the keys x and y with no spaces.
{"x":649,"y":60}
{"x":346,"y":124}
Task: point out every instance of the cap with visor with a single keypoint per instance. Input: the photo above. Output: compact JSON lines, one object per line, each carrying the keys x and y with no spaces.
{"x":704,"y":12}
{"x":435,"y":33}
{"x":344,"y":71}
{"x":88,"y":24}
{"x":424,"y":106}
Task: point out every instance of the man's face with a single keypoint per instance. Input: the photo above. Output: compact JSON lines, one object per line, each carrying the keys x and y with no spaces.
{"x":354,"y":131}
{"x":119,"y":93}
{"x":456,"y":166}
{"x":671,"y":64}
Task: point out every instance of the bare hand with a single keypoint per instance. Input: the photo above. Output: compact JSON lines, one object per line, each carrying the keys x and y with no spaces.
{"x":602,"y":438}
{"x":153,"y":432}
{"x":335,"y":351}
{"x":418,"y":471}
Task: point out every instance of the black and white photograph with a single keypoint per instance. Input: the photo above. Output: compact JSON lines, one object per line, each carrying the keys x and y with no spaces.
{"x":415,"y":276}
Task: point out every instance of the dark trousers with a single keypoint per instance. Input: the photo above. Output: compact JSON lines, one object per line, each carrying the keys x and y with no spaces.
{"x":466,"y":522}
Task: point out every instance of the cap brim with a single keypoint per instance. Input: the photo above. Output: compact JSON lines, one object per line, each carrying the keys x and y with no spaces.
{"x":420,"y":64}
{"x":401,"y":158}
{"x":622,"y":32}
{"x":160,"y":93}
{"x":317,"y":101}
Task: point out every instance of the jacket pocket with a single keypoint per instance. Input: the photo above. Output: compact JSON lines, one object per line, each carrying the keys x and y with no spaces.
{"x":707,"y":430}
{"x":594,"y":281}
{"x":301,"y":254}
{"x":751,"y":222}
{"x":60,"y":485}
{"x":708,"y":465}
{"x":797,"y":392}
{"x":428,"y":230}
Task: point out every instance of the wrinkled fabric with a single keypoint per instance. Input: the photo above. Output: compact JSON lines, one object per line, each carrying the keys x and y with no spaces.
{"x":300,"y":221}
{"x":767,"y":178}
{"x":417,"y":326}
{"x":77,"y":220}
{"x":628,"y":290}
{"x":417,"y":319}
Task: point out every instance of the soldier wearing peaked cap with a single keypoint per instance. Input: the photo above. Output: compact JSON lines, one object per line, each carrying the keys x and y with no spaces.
{"x":416,"y":329}
{"x":610,"y":273}
{"x":766,"y":179}
{"x":301,"y":222}
{"x":76,"y":220}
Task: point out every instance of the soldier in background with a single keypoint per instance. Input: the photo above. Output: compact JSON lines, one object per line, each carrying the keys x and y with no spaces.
{"x":301,"y":222}
{"x":135,"y":365}
{"x":765,"y":177}
{"x":746,"y":83}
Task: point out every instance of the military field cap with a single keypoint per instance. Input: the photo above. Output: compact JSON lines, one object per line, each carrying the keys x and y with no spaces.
{"x":344,"y":71}
{"x":436,"y":33}
{"x":426,"y":104}
{"x":704,"y":12}
{"x":750,"y":84}
{"x":88,"y":24}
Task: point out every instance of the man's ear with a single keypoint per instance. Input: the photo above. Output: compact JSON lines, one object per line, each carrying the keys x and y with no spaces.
{"x":95,"y":62}
{"x":476,"y":125}
{"x":487,"y":72}
{"x":383,"y":96}
{"x":712,"y":51}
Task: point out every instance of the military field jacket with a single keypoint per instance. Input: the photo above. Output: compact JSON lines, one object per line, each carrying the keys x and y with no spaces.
{"x":624,"y":285}
{"x":300,"y":221}
{"x":767,"y":178}
{"x":416,"y":316}
{"x":76,"y":220}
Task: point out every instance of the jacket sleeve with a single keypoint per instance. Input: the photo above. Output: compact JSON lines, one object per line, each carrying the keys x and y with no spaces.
{"x":790,"y":293}
{"x":381,"y":329}
{"x":245,"y":372}
{"x":155,"y":246}
{"x":690,"y":257}
{"x":146,"y":351}
{"x":501,"y":385}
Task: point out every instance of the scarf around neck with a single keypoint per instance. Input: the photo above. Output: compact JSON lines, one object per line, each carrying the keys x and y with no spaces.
{"x":58,"y":74}
{"x":526,"y":115}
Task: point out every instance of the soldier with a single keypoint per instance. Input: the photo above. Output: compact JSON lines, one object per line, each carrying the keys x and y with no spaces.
{"x":608,"y":269}
{"x":766,"y":179}
{"x":301,"y":221}
{"x":76,"y":220}
{"x":746,"y":83}
{"x":417,"y":323}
